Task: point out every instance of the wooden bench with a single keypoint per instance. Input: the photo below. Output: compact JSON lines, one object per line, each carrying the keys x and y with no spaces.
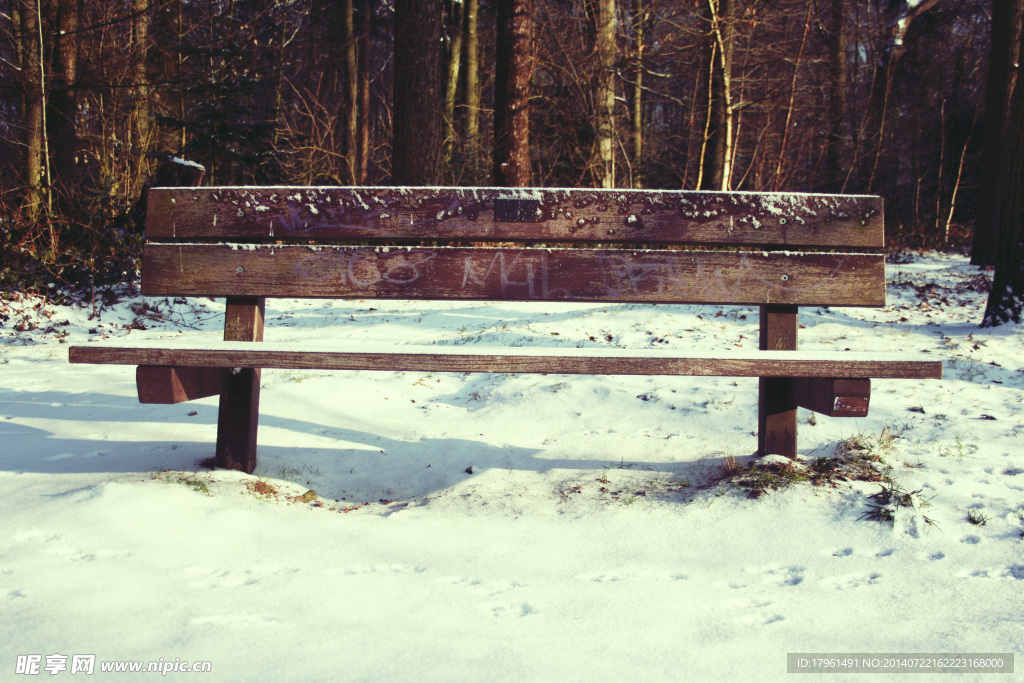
{"x":778,"y":251}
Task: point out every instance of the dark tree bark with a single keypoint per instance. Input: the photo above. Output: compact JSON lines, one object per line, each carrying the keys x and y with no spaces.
{"x":62,"y":103}
{"x":418,"y":147}
{"x":1007,"y":19}
{"x":514,"y":70}
{"x":1006,"y":300}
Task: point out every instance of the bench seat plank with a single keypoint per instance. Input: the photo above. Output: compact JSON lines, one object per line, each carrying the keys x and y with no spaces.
{"x":521,"y":274}
{"x":591,"y":361}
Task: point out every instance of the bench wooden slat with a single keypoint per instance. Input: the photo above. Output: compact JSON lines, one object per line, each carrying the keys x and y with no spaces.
{"x":502,"y":214}
{"x":797,"y":278}
{"x":567,"y":361}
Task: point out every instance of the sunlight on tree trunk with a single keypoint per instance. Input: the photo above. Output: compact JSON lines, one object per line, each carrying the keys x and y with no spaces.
{"x":454,"y":66}
{"x":140,"y":77}
{"x":473,"y":151}
{"x":607,"y":55}
{"x":716,"y":170}
{"x":352,"y":88}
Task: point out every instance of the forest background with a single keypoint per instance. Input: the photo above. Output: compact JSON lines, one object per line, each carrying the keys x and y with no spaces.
{"x":909,"y":99}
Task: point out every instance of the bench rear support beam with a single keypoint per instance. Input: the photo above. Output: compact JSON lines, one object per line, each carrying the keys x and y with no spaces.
{"x":240,"y":401}
{"x":833,"y":397}
{"x":168,"y":384}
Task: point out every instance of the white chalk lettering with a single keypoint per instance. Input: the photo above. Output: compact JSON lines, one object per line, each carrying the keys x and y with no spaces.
{"x":363,"y":267}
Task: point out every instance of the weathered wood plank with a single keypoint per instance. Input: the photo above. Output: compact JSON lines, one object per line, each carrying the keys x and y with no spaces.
{"x":809,"y":279}
{"x":161,"y":384}
{"x":570,"y":361}
{"x":833,"y":397}
{"x":481,"y":214}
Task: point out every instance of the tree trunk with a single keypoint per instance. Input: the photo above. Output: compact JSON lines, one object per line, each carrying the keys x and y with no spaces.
{"x":418,"y":134}
{"x":716,"y":173}
{"x":1007,"y":20}
{"x":606,"y":54}
{"x":32,"y":128}
{"x":1006,"y":300}
{"x":473,"y":90}
{"x":514,"y":70}
{"x":639,"y":26}
{"x":451,"y":90}
{"x":363,"y":168}
{"x":62,"y":103}
{"x":141,"y":92}
{"x":352,"y":70}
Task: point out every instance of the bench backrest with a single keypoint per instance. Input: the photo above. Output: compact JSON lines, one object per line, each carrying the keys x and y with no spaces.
{"x":515,"y":244}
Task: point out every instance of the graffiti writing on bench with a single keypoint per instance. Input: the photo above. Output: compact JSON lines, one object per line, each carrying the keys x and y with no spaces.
{"x":534,"y":274}
{"x":537,"y":274}
{"x":363,"y":268}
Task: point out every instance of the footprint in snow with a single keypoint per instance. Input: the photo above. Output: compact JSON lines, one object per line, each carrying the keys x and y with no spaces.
{"x":626,"y":575}
{"x":510,"y":609}
{"x":754,"y":612}
{"x":777,"y":575}
{"x":855,"y":580}
{"x":393,"y":568}
{"x":235,"y":620}
{"x":759,"y":619}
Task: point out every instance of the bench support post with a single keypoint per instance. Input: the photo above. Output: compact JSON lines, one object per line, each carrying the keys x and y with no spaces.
{"x":776,"y":407}
{"x":240,"y":400}
{"x":168,"y":384}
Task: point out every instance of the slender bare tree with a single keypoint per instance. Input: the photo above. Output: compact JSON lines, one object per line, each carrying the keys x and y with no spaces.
{"x":607,"y":56}
{"x":716,"y":169}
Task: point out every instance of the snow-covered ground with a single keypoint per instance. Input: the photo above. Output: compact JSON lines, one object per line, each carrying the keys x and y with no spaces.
{"x":509,"y":527}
